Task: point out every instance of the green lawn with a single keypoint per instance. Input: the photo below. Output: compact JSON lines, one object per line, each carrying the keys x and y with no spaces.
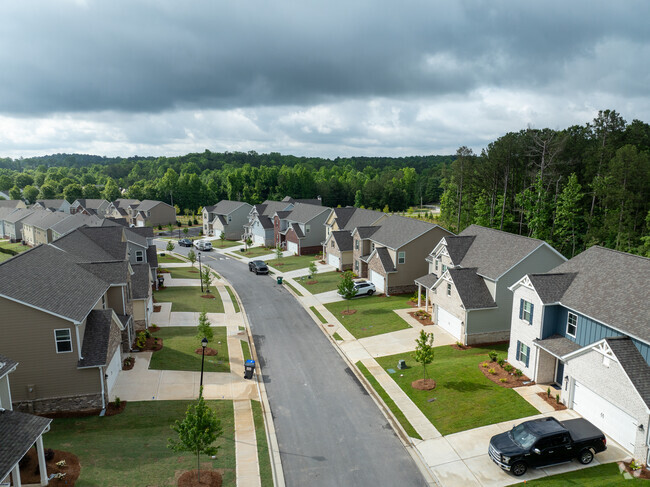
{"x":337,"y":337}
{"x":286,"y":264}
{"x":464,"y":397}
{"x":233,"y":299}
{"x":179,"y":345}
{"x":130,"y":449}
{"x":188,"y":298}
{"x":598,"y":476}
{"x":169,"y":259}
{"x":246,"y":350}
{"x":264,"y":458}
{"x":328,"y":281}
{"x":293,"y":288}
{"x":397,"y":412}
{"x":18,"y":247}
{"x":4,"y":257}
{"x":374,"y":315}
{"x":316,"y":312}
{"x":185,"y":272}
{"x":218,"y":244}
{"x":255,"y":252}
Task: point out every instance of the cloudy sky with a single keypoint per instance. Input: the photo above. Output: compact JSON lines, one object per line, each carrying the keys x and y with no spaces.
{"x":327,"y":78}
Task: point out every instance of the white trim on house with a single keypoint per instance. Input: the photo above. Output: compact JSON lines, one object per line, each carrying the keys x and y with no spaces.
{"x":40,"y":309}
{"x":57,"y":340}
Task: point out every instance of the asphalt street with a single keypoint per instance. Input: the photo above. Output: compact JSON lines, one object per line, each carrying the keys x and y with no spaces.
{"x":329,"y":430}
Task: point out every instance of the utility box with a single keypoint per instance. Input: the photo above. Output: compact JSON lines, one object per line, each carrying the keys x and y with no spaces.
{"x":401,"y":364}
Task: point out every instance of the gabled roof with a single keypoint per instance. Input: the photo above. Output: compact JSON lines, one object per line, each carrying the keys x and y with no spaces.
{"x":384,"y":258}
{"x":471,"y":289}
{"x":492,"y":252}
{"x":265,"y":221}
{"x":45,"y":219}
{"x":350,"y":217}
{"x":93,"y":244}
{"x":94,"y":349}
{"x":75,"y":221}
{"x":283,"y":214}
{"x":557,"y":345}
{"x":124,"y":203}
{"x":50,"y":279}
{"x":91,"y":204}
{"x":135,"y":237}
{"x":18,"y":214}
{"x":224,"y":207}
{"x":551,"y":287}
{"x":270,"y":207}
{"x":6,"y":365}
{"x":147,"y":205}
{"x":609,"y":286}
{"x":633,"y":364}
{"x":113,"y":273}
{"x":343,"y":240}
{"x":4,"y":211}
{"x":24,"y":430}
{"x":296,"y":228}
{"x":428,"y":280}
{"x":140,"y":281}
{"x":51,"y":203}
{"x":304,"y":213}
{"x":146,"y":232}
{"x":397,"y":231}
{"x":365,"y":232}
{"x":10,"y":203}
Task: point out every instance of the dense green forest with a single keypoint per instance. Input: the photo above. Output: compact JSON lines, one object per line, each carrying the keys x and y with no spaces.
{"x":583,"y":185}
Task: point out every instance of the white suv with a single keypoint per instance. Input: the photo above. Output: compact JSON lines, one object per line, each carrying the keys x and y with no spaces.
{"x":203,"y":245}
{"x":364,"y":288}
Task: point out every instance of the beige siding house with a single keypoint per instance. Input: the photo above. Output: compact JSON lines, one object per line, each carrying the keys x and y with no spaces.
{"x":150,"y":213}
{"x":227,"y":217}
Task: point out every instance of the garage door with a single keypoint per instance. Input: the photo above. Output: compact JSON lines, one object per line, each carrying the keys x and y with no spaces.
{"x":449,"y":322}
{"x":612,"y":420}
{"x":113,"y":370}
{"x":333,"y":260}
{"x":258,"y":239}
{"x":292,"y":247}
{"x":140,"y":223}
{"x":378,"y":280}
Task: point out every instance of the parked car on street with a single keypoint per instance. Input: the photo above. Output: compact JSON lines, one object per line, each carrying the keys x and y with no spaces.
{"x":185,"y":242}
{"x":258,"y":267}
{"x":203,"y":245}
{"x":544,"y":442}
{"x":364,"y":288}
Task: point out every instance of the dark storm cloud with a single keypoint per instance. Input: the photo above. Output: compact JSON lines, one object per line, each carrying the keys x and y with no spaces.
{"x":155,"y":56}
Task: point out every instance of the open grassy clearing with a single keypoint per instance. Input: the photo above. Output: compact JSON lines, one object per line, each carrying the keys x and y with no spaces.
{"x":179,"y":345}
{"x":188,"y":298}
{"x":287,"y":264}
{"x":464,"y":397}
{"x":374,"y":314}
{"x":327,"y":281}
{"x":130,"y":449}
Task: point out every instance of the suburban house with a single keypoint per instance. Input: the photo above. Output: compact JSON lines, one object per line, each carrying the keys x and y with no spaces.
{"x":392,"y":255}
{"x":301,"y":230}
{"x":119,"y":208}
{"x":37,"y":227}
{"x":13,"y":223}
{"x":90,"y":207}
{"x":227,"y":217}
{"x":13,"y":204}
{"x":4,"y":211}
{"x":341,"y":222}
{"x":72,"y":223}
{"x":150,"y":213}
{"x":25,"y":431}
{"x":52,"y":205}
{"x":469,"y":278}
{"x":584,"y":327}
{"x":260,"y":228}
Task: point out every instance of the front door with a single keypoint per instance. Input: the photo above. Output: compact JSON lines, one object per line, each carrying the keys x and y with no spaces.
{"x":559,"y":373}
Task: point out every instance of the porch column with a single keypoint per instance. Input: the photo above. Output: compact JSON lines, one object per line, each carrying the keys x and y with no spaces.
{"x":419,"y":294}
{"x":41,"y":460}
{"x":426,"y":301}
{"x":15,"y":476}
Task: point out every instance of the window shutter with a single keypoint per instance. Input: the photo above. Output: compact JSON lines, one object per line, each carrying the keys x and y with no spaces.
{"x":521,"y":309}
{"x":518,"y":348}
{"x":532,"y":308}
{"x":527,"y":356}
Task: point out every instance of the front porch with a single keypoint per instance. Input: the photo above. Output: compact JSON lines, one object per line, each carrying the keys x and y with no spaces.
{"x":425,"y":283}
{"x":550,"y":366}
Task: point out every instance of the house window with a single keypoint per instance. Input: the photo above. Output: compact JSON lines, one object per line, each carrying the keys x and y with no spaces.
{"x":444,"y":268}
{"x":103,"y":301}
{"x":436,"y":261}
{"x":448,"y":289}
{"x":63,"y":340}
{"x":356,"y":244}
{"x":372,"y":246}
{"x":401,"y":257}
{"x":356,"y":265}
{"x":307,"y":228}
{"x":526,"y":311}
{"x":332,"y":244}
{"x":523,"y":353}
{"x":139,"y":256}
{"x":572,"y":325}
{"x":229,"y":218}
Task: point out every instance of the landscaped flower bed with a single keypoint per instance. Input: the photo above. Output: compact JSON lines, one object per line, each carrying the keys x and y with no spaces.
{"x":501,"y":372}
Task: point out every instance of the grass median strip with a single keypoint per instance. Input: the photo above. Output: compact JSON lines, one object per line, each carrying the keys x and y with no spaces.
{"x":293,"y":288}
{"x":607,"y":475}
{"x":263,"y":455}
{"x":233,"y":299}
{"x":337,"y":337}
{"x":188,"y":298}
{"x":317,"y":313}
{"x":131,"y":448}
{"x":179,"y":345}
{"x":246,"y":350}
{"x":397,"y":412}
{"x":374,"y":315}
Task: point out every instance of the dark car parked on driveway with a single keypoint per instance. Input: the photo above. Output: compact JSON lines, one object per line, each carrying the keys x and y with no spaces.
{"x":544,"y":442}
{"x":185,"y":242}
{"x":258,"y":267}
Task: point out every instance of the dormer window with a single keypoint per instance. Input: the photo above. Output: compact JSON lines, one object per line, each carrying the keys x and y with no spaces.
{"x":448,"y":289}
{"x":444,"y":268}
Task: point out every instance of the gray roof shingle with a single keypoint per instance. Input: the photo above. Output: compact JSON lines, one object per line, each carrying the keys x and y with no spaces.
{"x":94,"y":349}
{"x":18,"y":215}
{"x":140,"y":281}
{"x":366,"y":232}
{"x":304,"y":213}
{"x":633,"y":363}
{"x":343,"y":240}
{"x":110,"y":272}
{"x":224,"y":207}
{"x":557,"y":345}
{"x":146,"y":205}
{"x":13,"y":204}
{"x":397,"y":231}
{"x":297,"y":230}
{"x":428,"y":280}
{"x":471,"y":288}
{"x":6,"y":364}
{"x":358,"y":217}
{"x":551,"y":287}
{"x":91,"y":204}
{"x":384,"y":258}
{"x":24,"y":430}
{"x":86,"y":246}
{"x":124,"y":202}
{"x":75,"y":221}
{"x":152,"y":256}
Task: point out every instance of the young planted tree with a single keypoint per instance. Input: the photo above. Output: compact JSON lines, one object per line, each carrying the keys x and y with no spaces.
{"x":185,"y":231}
{"x":170,"y":227}
{"x":313,"y":270}
{"x":248,"y":242}
{"x":204,"y":329}
{"x":191,"y":255}
{"x":424,"y":350}
{"x":170,"y":246}
{"x":206,"y":277}
{"x":222,"y":237}
{"x":197,"y":432}
{"x":346,"y":287}
{"x":278,"y":252}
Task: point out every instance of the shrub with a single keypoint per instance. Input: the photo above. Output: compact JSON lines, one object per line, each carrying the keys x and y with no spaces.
{"x":117,"y":402}
{"x":178,"y":223}
{"x":459,"y":344}
{"x":518,"y":372}
{"x":501,"y":362}
{"x":484,"y":365}
{"x":141,"y":340}
{"x":634,"y":465}
{"x":508,"y":368}
{"x":159,"y":227}
{"x":492,"y":371}
{"x":548,"y":392}
{"x":195,"y":221}
{"x":49,"y":454}
{"x":493,"y":355}
{"x":503,"y":380}
{"x":147,"y":333}
{"x":557,"y":398}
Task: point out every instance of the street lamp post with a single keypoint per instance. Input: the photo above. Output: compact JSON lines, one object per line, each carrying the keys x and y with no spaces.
{"x":200,"y":272}
{"x":204,"y":343}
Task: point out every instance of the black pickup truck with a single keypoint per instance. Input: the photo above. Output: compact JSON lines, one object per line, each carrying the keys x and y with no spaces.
{"x":544,"y":442}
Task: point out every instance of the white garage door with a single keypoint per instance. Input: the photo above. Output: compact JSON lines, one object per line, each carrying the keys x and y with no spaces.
{"x":140,"y":223}
{"x":449,"y":322}
{"x":612,"y":420}
{"x":292,"y":247}
{"x":258,"y":239}
{"x":378,"y":280}
{"x":333,"y":260}
{"x":113,"y":370}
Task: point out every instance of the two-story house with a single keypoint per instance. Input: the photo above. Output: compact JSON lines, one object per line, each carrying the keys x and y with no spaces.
{"x":13,"y":204}
{"x":393,"y":254}
{"x":119,"y":208}
{"x":75,"y":221}
{"x":150,"y":213}
{"x":89,"y":207}
{"x":4,"y":212}
{"x":260,"y":228}
{"x":37,"y":227}
{"x":301,"y":230}
{"x":227,"y":217}
{"x":61,"y":205}
{"x":469,"y":278}
{"x":584,"y":326}
{"x":13,"y":223}
{"x":341,"y":222}
{"x":18,"y":431}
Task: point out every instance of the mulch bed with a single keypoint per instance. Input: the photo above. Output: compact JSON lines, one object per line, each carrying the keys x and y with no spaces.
{"x":208,"y":296}
{"x":423,"y":321}
{"x":512,"y":379}
{"x":30,"y":472}
{"x":641,"y":473}
{"x":157,"y":308}
{"x":348,"y":311}
{"x":413,"y":304}
{"x":112,"y":409}
{"x":153,"y":328}
{"x":311,"y":282}
{"x":128,"y":364}
{"x":551,"y":401}
{"x":164,"y":271}
{"x":423,"y":384}
{"x":460,"y":347}
{"x":151,"y":345}
{"x":209,"y":478}
{"x":208,"y":351}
